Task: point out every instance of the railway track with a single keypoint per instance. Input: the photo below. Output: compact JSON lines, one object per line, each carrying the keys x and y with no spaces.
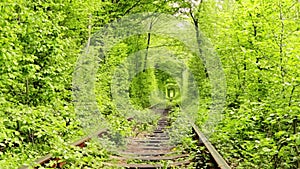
{"x":153,"y":150}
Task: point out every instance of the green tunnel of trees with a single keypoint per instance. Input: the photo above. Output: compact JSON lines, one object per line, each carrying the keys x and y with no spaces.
{"x":257,"y":41}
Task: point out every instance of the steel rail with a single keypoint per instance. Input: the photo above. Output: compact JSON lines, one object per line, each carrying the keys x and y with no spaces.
{"x":80,"y":143}
{"x":222,"y":164}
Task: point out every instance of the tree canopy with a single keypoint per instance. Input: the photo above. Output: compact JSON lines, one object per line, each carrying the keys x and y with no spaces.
{"x":256,"y":43}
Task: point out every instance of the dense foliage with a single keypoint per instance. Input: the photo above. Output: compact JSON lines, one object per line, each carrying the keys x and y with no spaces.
{"x":257,"y":42}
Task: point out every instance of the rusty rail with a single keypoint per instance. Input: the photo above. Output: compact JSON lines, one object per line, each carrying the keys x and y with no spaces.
{"x":80,"y":143}
{"x":219,"y":160}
